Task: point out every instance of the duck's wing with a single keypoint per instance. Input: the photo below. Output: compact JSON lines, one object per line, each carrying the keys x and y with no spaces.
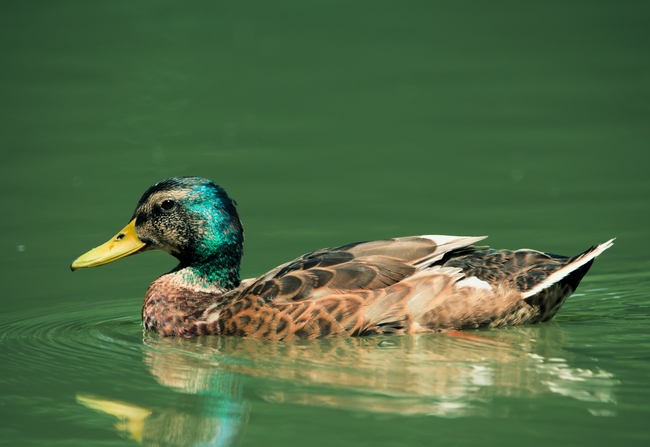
{"x":354,"y":267}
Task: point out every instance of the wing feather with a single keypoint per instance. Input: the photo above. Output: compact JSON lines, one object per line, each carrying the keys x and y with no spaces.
{"x":354,"y":267}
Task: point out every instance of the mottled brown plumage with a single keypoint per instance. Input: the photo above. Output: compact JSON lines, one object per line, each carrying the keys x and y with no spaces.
{"x":395,"y":286}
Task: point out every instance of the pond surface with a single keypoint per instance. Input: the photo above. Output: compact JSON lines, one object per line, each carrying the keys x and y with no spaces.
{"x":329,"y":122}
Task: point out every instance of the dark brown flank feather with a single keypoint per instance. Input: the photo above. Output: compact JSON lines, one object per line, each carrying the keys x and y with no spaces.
{"x":397,"y":286}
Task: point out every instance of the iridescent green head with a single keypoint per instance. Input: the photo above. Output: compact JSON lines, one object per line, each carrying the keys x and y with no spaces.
{"x":191,"y":218}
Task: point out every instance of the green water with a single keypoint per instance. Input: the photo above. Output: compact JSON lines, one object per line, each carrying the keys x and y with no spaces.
{"x":329,"y":122}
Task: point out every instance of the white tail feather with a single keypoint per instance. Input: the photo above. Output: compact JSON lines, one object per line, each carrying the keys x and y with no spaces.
{"x":566,"y":270}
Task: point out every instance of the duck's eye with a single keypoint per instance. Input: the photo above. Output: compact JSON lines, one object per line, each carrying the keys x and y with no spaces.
{"x":167,"y":204}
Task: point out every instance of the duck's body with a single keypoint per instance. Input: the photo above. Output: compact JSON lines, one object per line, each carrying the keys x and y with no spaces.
{"x":396,"y":286}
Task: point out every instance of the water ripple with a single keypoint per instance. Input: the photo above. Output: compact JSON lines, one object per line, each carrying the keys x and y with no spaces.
{"x":65,"y":334}
{"x":433,"y":374}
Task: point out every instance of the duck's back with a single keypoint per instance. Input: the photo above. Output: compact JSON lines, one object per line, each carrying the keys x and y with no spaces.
{"x":402,"y":285}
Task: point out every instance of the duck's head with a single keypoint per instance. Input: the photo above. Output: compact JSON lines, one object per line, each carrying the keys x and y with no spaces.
{"x":191,"y":218}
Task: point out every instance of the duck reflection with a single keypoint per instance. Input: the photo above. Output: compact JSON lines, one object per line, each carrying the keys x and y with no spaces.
{"x":450,"y":375}
{"x":217,"y":418}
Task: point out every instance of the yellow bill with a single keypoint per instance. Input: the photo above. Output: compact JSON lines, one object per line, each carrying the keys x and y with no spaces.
{"x":125,"y":243}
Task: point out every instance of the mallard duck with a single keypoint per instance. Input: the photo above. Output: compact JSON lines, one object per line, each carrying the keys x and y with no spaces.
{"x":404,"y":285}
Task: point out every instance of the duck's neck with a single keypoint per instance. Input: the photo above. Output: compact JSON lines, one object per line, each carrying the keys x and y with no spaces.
{"x":219,"y":272}
{"x":207,"y":277}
